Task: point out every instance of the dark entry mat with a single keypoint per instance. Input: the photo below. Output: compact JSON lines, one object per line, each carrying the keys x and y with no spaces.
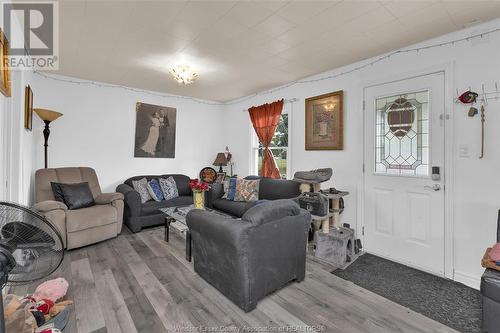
{"x":448,"y":302}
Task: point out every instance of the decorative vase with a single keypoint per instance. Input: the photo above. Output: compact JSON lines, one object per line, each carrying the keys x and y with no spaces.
{"x":199,"y":199}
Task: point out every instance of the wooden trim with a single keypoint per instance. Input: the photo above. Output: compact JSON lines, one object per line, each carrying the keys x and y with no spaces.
{"x":5,"y":83}
{"x":340,"y":146}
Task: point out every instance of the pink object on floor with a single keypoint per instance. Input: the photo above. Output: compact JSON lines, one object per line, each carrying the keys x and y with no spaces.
{"x":52,"y":290}
{"x":495,"y":252}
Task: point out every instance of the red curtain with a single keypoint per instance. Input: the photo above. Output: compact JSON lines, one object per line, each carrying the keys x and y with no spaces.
{"x":265,"y":118}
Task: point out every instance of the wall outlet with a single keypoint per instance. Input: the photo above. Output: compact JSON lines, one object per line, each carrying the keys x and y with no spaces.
{"x":464,"y":151}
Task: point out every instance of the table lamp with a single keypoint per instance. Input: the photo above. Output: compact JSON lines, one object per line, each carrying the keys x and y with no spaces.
{"x":47,"y":116}
{"x":220,"y":161}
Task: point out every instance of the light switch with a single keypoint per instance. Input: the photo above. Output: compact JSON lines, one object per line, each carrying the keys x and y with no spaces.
{"x":463,"y":151}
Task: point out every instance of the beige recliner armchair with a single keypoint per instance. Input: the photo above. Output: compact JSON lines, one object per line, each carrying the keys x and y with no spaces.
{"x":83,"y":226}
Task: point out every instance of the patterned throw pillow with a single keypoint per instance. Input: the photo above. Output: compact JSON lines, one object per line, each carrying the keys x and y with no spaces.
{"x":247,"y":190}
{"x":225,"y":186}
{"x":169,"y":188}
{"x":230,"y":189}
{"x":154,"y":190}
{"x":141,"y":186}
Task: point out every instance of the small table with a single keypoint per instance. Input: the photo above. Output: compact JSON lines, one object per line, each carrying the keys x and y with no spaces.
{"x":175,"y":217}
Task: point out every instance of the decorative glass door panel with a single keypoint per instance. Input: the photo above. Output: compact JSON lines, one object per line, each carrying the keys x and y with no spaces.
{"x":403,"y":207}
{"x":402,"y":134}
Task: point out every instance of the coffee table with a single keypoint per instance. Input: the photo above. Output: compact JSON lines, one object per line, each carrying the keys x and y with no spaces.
{"x":175,"y":217}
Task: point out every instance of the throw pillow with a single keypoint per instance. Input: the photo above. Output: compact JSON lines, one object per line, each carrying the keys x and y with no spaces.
{"x":247,"y":190}
{"x":154,"y":190}
{"x":230,"y":189}
{"x":225,"y":187}
{"x":56,"y":189}
{"x":169,"y":188}
{"x":77,"y":196}
{"x":141,"y":186}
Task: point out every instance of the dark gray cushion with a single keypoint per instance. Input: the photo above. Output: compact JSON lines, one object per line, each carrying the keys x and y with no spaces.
{"x":235,"y":208}
{"x":274,"y":189}
{"x":271,"y":211}
{"x":151,"y":207}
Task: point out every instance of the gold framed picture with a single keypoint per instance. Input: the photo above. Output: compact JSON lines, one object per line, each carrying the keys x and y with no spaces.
{"x":4,"y":65}
{"x":325,"y":122}
{"x":28,"y":108}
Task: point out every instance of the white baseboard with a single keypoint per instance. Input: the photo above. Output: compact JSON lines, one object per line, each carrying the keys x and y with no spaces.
{"x":468,"y":279}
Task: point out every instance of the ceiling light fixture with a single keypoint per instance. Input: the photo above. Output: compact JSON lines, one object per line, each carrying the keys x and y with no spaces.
{"x":183,"y":74}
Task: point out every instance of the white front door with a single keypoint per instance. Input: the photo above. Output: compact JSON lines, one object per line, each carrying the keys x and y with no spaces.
{"x":404,"y":152}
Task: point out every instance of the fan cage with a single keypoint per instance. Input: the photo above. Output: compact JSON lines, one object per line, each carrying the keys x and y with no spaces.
{"x":35,"y":243}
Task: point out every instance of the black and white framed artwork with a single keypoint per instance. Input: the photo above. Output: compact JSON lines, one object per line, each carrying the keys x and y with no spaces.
{"x":155,"y":131}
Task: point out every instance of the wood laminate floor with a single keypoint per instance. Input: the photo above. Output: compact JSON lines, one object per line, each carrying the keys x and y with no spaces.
{"x":139,"y":283}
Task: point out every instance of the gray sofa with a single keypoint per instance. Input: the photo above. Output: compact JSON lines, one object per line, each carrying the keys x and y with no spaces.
{"x":490,"y":290}
{"x":250,"y":258}
{"x":138,"y":215}
{"x":269,"y":189}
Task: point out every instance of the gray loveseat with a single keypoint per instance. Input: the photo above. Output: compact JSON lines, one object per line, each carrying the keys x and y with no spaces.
{"x":250,"y":258}
{"x":138,"y":215}
{"x":269,"y":189}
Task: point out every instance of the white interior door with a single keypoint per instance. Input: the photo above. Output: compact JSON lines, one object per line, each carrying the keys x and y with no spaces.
{"x":404,"y":145}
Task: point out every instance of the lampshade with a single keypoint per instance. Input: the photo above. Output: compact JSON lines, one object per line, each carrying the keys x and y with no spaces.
{"x":220,"y":160}
{"x":47,"y":115}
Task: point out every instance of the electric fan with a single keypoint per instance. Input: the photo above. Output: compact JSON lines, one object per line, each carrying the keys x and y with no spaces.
{"x":30,"y":248}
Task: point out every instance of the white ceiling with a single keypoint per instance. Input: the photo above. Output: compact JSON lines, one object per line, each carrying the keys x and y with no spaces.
{"x":242,"y":47}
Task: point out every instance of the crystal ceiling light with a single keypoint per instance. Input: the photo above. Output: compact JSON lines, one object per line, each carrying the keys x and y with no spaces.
{"x":183,"y":74}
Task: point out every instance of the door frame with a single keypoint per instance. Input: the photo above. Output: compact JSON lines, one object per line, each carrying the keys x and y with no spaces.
{"x":449,"y":172}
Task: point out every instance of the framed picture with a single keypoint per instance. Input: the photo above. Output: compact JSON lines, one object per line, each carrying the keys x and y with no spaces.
{"x":4,"y":68}
{"x":155,"y":131}
{"x":325,"y":122}
{"x":28,"y":108}
{"x":220,"y":177}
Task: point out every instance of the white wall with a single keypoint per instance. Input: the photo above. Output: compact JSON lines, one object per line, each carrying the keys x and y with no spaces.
{"x":98,"y":128}
{"x":16,"y":143}
{"x":476,"y":194}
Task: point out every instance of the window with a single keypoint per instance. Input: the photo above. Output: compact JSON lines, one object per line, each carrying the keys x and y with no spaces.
{"x":402,"y":135}
{"x":279,"y":147}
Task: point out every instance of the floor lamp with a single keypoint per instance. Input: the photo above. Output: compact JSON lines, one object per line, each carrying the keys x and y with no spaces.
{"x":47,"y":116}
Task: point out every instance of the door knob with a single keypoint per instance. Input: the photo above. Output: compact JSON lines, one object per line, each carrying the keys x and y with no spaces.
{"x":435,"y":187}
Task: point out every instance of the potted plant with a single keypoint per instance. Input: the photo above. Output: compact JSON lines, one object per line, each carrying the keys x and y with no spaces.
{"x":198,"y":189}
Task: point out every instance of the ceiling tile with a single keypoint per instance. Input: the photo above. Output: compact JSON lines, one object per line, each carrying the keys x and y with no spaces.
{"x":299,"y":11}
{"x":400,"y":8}
{"x":464,"y":14}
{"x":436,"y":14}
{"x":249,"y":13}
{"x":155,"y":14}
{"x":274,"y":25}
{"x":369,"y":21}
{"x":273,"y":5}
{"x":242,"y":47}
{"x":274,"y":46}
{"x":344,"y":12}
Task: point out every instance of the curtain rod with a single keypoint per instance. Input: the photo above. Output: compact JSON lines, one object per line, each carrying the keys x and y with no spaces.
{"x":291,"y":100}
